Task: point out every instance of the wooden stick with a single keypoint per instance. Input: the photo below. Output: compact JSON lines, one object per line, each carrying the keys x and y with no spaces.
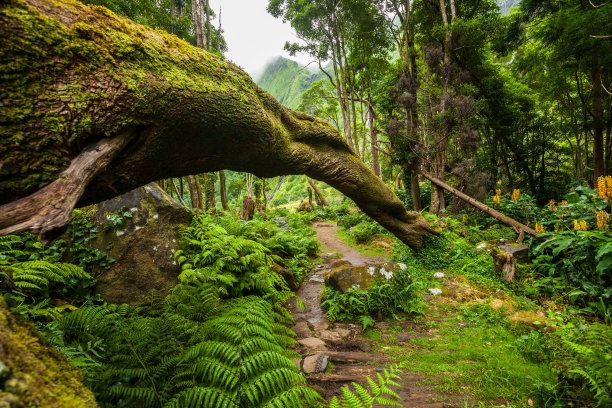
{"x":482,"y":207}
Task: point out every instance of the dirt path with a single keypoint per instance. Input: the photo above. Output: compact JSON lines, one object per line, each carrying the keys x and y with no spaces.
{"x":341,"y":344}
{"x":327,"y":236}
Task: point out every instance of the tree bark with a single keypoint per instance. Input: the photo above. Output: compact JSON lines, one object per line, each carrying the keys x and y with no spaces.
{"x":598,"y":140}
{"x":51,"y":207}
{"x":318,"y":194}
{"x":222,"y":191}
{"x":248,"y":208}
{"x":105,"y":75}
{"x":518,"y":227}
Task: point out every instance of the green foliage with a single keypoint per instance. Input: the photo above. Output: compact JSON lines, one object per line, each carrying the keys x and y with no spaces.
{"x":584,"y":364}
{"x":360,"y":227}
{"x":383,"y":300}
{"x":378,"y":393}
{"x":584,"y":260}
{"x":29,"y":283}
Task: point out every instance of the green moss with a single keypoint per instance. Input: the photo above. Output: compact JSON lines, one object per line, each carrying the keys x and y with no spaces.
{"x":39,"y":375}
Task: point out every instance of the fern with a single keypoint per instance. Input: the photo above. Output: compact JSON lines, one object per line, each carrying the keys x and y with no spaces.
{"x":590,"y":362}
{"x":378,"y":393}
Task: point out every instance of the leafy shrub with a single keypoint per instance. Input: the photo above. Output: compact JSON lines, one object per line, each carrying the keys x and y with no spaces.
{"x":584,"y":260}
{"x":383,"y":300}
{"x":363,"y":232}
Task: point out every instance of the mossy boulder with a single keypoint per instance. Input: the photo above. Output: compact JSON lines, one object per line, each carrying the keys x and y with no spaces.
{"x":33,"y":373}
{"x":345,"y":277}
{"x":142,"y":244}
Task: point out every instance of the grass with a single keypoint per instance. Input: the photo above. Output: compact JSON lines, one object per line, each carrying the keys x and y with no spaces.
{"x":369,"y":249}
{"x":475,"y":354}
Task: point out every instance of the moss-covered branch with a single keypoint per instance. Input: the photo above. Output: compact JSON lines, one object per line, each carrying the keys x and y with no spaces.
{"x":72,"y":74}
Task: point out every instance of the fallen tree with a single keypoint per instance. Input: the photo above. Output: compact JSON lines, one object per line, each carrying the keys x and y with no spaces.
{"x":520,"y":229}
{"x":72,"y":76}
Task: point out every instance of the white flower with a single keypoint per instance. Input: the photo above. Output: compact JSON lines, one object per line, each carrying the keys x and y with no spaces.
{"x":435,"y":291}
{"x":402,"y":266}
{"x":438,"y":275}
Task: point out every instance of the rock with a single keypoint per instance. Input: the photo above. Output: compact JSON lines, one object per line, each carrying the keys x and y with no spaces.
{"x":344,"y":333}
{"x":526,"y":317}
{"x":405,"y":337}
{"x":361,"y":343}
{"x":330,"y":337}
{"x":316,"y":279}
{"x":313,"y":343}
{"x":364,"y":276}
{"x":287,"y":275}
{"x":34,"y":373}
{"x":142,"y":245}
{"x":316,"y":363}
{"x":322,"y":324}
{"x":302,"y":330}
{"x":336,"y":263}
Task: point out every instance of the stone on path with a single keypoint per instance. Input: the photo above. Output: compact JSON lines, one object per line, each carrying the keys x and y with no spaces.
{"x":313,"y":343}
{"x":302,"y":330}
{"x":316,"y":363}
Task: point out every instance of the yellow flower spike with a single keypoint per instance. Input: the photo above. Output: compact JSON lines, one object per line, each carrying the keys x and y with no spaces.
{"x":552,"y":206}
{"x":604,"y":187}
{"x":583,"y":225}
{"x":539,"y":228}
{"x":563,"y":203}
{"x":603,"y":219}
{"x":515,"y":195}
{"x":497,"y":199}
{"x":465,"y":218}
{"x":576,"y":225}
{"x":498,"y":192}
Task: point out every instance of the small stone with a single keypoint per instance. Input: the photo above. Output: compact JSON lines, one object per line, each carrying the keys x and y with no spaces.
{"x":313,"y":343}
{"x":316,"y":363}
{"x":439,"y":275}
{"x":322,"y":324}
{"x":405,"y":337}
{"x":330,"y":336}
{"x":435,"y":291}
{"x":362,"y":344}
{"x":302,"y":330}
{"x":344,"y":333}
{"x":316,"y":279}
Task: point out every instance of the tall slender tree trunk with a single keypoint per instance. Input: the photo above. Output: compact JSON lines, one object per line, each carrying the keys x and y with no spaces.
{"x":222,"y":191}
{"x":598,"y":141}
{"x":373,"y":137}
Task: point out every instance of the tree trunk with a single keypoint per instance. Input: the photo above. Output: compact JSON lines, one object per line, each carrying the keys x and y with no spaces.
{"x":222,"y":191}
{"x":221,"y":118}
{"x":518,"y":227}
{"x":209,"y":191}
{"x":248,"y":208}
{"x":415,"y":191}
{"x":321,"y":201}
{"x":373,"y":137}
{"x":51,"y":207}
{"x":598,"y":141}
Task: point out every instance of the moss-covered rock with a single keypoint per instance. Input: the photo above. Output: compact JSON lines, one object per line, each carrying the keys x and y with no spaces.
{"x":345,"y":277}
{"x":142,"y":244}
{"x":34,"y":374}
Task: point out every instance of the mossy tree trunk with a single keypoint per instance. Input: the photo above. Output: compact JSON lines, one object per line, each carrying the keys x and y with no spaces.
{"x":72,"y":75}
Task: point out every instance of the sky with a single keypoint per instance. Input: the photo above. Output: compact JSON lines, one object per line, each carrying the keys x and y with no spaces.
{"x":253,"y":36}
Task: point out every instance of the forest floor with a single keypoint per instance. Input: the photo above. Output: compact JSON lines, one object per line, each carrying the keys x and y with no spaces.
{"x":456,"y":355}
